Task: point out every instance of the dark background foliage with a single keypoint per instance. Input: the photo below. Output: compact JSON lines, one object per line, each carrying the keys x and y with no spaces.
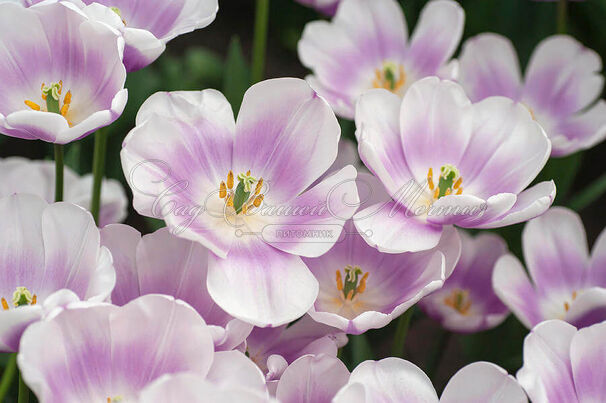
{"x":219,"y":57}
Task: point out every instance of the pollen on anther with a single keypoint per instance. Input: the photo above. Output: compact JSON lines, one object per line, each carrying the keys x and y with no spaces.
{"x":34,"y":299}
{"x":258,"y":201}
{"x":259,"y":186}
{"x":230,"y":180}
{"x":222,"y":190}
{"x":362,"y":287}
{"x":33,"y":105}
{"x":566,"y":306}
{"x":458,"y":183}
{"x":430,"y":178}
{"x":350,"y":295}
{"x":4,"y":304}
{"x":339,"y":281}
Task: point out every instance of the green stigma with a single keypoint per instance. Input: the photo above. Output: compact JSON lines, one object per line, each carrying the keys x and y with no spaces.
{"x":389,"y":71}
{"x":117,"y":11}
{"x":243,"y":190}
{"x":448,"y":174}
{"x":52,"y":93}
{"x":22,"y":297}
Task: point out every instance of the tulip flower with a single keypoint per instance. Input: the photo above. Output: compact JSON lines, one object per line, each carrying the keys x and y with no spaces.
{"x":397,"y":380}
{"x":328,"y":7}
{"x":563,"y":364}
{"x":567,"y":283}
{"x":366,"y":46}
{"x":444,"y":160}
{"x":241,"y":189}
{"x":64,"y":79}
{"x":161,"y":263}
{"x":466,"y":303}
{"x":362,"y":288}
{"x":49,"y":255}
{"x":20,"y":175}
{"x":563,"y":80}
{"x":107,"y":353}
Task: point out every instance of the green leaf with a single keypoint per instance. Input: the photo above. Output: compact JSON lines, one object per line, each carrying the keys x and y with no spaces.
{"x":204,"y":68}
{"x":562,"y":171}
{"x":237,"y":75}
{"x":589,"y":195}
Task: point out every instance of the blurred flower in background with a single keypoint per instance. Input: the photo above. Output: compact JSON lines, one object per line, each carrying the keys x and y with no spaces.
{"x":20,"y":175}
{"x":64,"y":79}
{"x":366,"y":46}
{"x":561,"y":87}
{"x":328,"y":7}
{"x":466,"y":302}
{"x":567,"y":283}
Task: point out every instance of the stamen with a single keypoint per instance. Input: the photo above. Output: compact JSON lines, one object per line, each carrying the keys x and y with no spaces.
{"x":32,"y":105}
{"x":430,"y":179}
{"x":566,"y":306}
{"x":350,"y":295}
{"x":259,"y":186}
{"x":4,"y":304}
{"x":222,"y":190}
{"x":391,"y":77}
{"x":258,"y":201}
{"x":339,"y":282}
{"x":458,"y":183}
{"x":230,"y":180}
{"x":34,"y":299}
{"x":362,"y":287}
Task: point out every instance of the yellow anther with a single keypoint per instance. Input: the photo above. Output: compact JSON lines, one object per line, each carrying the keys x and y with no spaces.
{"x":458,"y":183}
{"x":430,"y":179}
{"x":459,"y":191}
{"x":248,"y":173}
{"x":60,"y":86}
{"x":350,"y":295}
{"x":339,"y":281}
{"x":258,"y":201}
{"x":436,"y":193}
{"x":68,"y":98}
{"x":244,"y":208}
{"x":4,"y":304}
{"x":362,"y":287}
{"x":459,"y":301}
{"x":259,"y":186}
{"x":34,"y":299}
{"x":230,"y":201}
{"x":222,"y":190}
{"x":230,"y":180}
{"x":33,"y":105}
{"x":448,"y":191}
{"x":64,"y":110}
{"x":566,"y":306}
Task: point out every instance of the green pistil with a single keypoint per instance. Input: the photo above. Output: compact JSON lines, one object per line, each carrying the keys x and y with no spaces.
{"x":390,"y":76}
{"x":22,"y":297}
{"x":448,"y":174}
{"x":352,"y":275}
{"x":52,"y":97}
{"x":243,"y":191}
{"x":117,"y":11}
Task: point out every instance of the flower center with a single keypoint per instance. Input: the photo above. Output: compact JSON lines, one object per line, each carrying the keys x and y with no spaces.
{"x":391,"y":77}
{"x":353,"y":284}
{"x":51,"y":94}
{"x":459,"y":300}
{"x":449,"y":182}
{"x":21,"y":297}
{"x":115,"y":399}
{"x":243,"y":198}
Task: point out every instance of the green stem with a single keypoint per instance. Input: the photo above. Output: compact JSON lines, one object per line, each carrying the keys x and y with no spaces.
{"x":23,"y":391}
{"x":7,"y":376}
{"x":98,"y":171}
{"x":589,"y":195}
{"x":561,"y":19}
{"x":436,"y":358}
{"x":260,"y":40}
{"x":397,"y":348}
{"x":59,"y":172}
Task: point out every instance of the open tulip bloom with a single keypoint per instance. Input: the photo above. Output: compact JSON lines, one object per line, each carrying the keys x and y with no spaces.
{"x":161,"y":263}
{"x":241,"y":189}
{"x":567,"y":283}
{"x":397,"y":380}
{"x":366,"y":46}
{"x":466,"y":302}
{"x":64,"y":79}
{"x":563,"y":364}
{"x":444,"y":160}
{"x":105,"y":353}
{"x":362,"y":288}
{"x":50,"y":255}
{"x":20,"y":175}
{"x":562,"y":82}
